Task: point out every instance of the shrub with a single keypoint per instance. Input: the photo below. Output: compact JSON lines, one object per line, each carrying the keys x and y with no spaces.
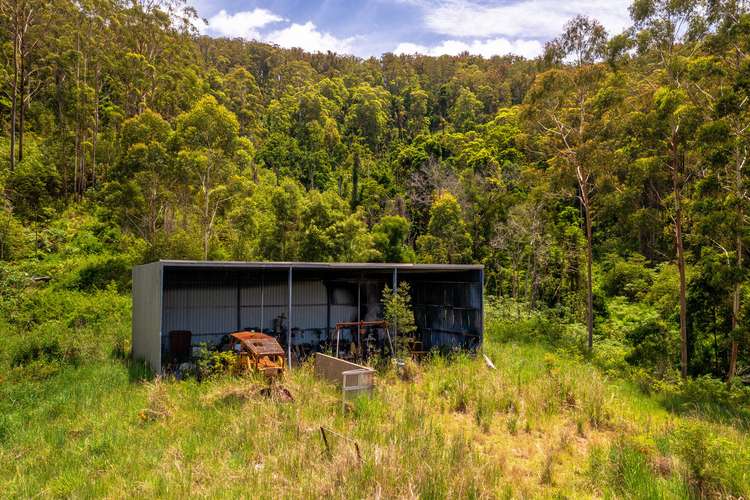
{"x":654,"y":346}
{"x":181,"y":244}
{"x":709,"y":396}
{"x":214,"y":363}
{"x":610,"y":355}
{"x":98,"y":275}
{"x":33,"y":184}
{"x":47,"y":350}
{"x":629,"y":278}
{"x":13,"y":243}
{"x":40,"y":357}
{"x":713,"y":464}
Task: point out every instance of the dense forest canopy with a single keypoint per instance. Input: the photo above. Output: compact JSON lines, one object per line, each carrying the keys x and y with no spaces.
{"x":607,"y":175}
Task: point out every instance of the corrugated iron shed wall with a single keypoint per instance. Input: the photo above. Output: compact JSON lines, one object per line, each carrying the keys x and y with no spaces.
{"x":147,"y":314}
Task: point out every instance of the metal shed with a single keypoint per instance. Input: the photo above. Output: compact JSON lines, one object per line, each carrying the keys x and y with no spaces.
{"x":211,"y":299}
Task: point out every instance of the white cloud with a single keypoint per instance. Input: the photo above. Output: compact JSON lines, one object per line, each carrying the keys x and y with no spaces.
{"x":249,"y":24}
{"x":486,"y":48}
{"x":309,"y":38}
{"x":244,"y":24}
{"x":543,"y":19}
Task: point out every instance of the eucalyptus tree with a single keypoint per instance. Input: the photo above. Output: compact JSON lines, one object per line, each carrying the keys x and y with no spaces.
{"x":560,"y":107}
{"x":207,"y":142}
{"x":719,"y":84}
{"x":446,"y":239}
{"x":24,"y":23}
{"x":668,"y":33}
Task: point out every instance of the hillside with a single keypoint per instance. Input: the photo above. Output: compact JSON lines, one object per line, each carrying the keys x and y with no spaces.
{"x":78,"y":417}
{"x":603,"y":185}
{"x":611,"y":166}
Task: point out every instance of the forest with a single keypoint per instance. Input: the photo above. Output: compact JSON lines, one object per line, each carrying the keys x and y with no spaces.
{"x":603,"y":185}
{"x":607,"y":174}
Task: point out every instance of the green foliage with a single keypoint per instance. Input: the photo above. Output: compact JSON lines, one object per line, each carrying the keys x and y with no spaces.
{"x":208,"y":125}
{"x":466,"y":111}
{"x":398,"y":312}
{"x":446,"y":240}
{"x":100,"y":275}
{"x":713,"y":464}
{"x":212,"y":363}
{"x":630,"y":278}
{"x":33,"y":186}
{"x":714,"y":398}
{"x":654,"y":346}
{"x":166,"y":144}
{"x":145,"y":128}
{"x":13,"y":238}
{"x":390,"y":239}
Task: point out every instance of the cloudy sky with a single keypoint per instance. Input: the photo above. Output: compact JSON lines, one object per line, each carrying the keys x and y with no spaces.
{"x":373,"y":27}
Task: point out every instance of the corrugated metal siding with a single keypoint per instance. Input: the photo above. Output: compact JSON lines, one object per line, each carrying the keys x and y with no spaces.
{"x":446,"y":312}
{"x":147,"y":314}
{"x":207,"y":312}
{"x":309,"y":308}
{"x":261,"y":302}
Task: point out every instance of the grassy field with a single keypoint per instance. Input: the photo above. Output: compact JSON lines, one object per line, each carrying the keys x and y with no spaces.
{"x":79,"y":419}
{"x":82,"y":421}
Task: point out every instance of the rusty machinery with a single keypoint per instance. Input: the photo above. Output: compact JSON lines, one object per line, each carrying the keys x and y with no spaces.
{"x":257,"y":352}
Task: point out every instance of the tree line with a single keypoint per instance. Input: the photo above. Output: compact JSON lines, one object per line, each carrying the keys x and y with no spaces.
{"x":610,"y":167}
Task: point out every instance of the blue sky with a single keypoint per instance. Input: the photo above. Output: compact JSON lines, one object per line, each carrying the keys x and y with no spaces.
{"x":373,"y":27}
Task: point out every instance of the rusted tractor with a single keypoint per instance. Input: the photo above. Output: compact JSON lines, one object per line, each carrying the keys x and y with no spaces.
{"x":257,"y":352}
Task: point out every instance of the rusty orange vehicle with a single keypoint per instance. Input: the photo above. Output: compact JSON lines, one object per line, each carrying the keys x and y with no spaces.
{"x":257,"y":352}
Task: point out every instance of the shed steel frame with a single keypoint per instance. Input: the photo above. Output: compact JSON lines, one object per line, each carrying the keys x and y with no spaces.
{"x":195,"y":295}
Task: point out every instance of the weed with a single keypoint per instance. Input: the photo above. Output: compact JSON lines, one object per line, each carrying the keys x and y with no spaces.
{"x":512,"y":424}
{"x":159,"y":404}
{"x":713,"y":464}
{"x":213,"y":363}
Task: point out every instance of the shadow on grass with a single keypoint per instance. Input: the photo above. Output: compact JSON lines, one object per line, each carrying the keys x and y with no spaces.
{"x":138,"y":371}
{"x":717,"y":407}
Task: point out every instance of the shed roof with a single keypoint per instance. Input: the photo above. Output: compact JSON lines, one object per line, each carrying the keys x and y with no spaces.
{"x":316,"y":265}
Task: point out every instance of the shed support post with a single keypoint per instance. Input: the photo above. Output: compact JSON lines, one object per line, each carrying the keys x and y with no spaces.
{"x":239,"y":305}
{"x":328,"y":311}
{"x":289,"y":324}
{"x":262,"y":296}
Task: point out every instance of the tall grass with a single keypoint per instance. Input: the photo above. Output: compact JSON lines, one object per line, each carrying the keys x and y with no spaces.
{"x":544,"y":423}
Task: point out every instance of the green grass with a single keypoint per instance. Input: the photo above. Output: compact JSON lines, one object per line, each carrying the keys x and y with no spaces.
{"x":544,"y":424}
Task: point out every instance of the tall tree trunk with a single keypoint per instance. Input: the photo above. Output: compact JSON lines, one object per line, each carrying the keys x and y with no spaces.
{"x":206,"y":228}
{"x":676,"y":190}
{"x":59,"y":77}
{"x":206,"y":222}
{"x":14,"y":106}
{"x":683,"y":292}
{"x":22,"y":104}
{"x":589,"y":277}
{"x":734,"y":347}
{"x":96,"y":127}
{"x":355,"y":181}
{"x":583,"y":185}
{"x":532,"y":302}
